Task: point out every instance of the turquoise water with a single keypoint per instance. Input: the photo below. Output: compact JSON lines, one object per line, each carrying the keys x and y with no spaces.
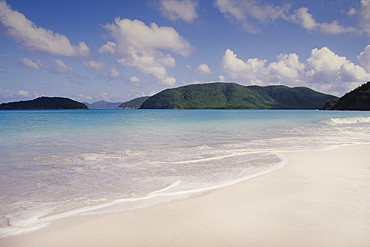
{"x":58,"y":163}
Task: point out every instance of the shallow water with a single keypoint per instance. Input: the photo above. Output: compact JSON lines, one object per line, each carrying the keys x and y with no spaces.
{"x":58,"y":163}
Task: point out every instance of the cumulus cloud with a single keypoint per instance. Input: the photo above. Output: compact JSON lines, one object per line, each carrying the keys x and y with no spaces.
{"x":323,"y":70}
{"x":364,"y":58}
{"x":288,"y":66}
{"x":140,"y":47}
{"x":179,"y":9}
{"x":94,"y":65}
{"x":203,"y":69}
{"x":333,"y":72}
{"x":250,"y":70}
{"x":37,"y":38}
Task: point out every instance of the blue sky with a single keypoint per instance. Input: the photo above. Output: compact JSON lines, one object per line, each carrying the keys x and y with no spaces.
{"x":111,"y":50}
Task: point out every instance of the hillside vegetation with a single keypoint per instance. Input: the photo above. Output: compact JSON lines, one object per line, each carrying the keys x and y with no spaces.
{"x":133,"y":104}
{"x":234,"y":96}
{"x":103,"y":105}
{"x":358,"y":99}
{"x":44,"y":103}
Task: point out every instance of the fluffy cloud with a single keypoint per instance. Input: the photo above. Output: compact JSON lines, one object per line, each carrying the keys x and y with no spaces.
{"x":179,"y":9}
{"x":245,"y":12}
{"x":203,"y":69}
{"x":140,"y":47}
{"x":251,"y":70}
{"x":323,"y":70}
{"x":37,"y":38}
{"x":288,"y":66}
{"x":94,"y":65}
{"x":332,"y":72}
{"x":364,"y":58}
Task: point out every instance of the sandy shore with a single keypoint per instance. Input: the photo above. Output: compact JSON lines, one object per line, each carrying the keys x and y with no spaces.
{"x":321,"y":198}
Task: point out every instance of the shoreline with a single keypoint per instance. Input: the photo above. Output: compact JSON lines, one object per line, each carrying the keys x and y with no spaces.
{"x":319,"y":199}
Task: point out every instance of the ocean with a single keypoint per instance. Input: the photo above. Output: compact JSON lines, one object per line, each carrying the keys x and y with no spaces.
{"x":57,"y":163}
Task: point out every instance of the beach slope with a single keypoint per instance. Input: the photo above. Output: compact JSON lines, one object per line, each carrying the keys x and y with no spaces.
{"x":321,"y":198}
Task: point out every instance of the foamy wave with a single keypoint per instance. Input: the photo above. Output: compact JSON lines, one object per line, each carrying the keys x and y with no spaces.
{"x":349,"y":120}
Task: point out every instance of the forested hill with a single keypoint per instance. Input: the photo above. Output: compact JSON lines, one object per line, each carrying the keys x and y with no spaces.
{"x":133,"y":104}
{"x":235,"y":96}
{"x":358,"y":99}
{"x":44,"y":103}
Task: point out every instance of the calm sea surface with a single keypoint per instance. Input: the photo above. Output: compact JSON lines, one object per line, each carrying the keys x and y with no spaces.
{"x":64,"y":162}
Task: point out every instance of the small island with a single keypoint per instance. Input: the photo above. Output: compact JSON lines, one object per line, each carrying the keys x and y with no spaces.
{"x":234,"y":96}
{"x":44,"y":103}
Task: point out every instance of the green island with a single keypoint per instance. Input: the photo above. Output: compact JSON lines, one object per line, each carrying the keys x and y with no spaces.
{"x":44,"y":103}
{"x":133,"y":104}
{"x":358,"y":99}
{"x":234,"y":96}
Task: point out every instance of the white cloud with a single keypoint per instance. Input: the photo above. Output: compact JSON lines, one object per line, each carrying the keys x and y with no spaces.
{"x":62,"y":68}
{"x":251,"y":12}
{"x":251,"y":70}
{"x":351,"y":12}
{"x":135,"y":81}
{"x":364,"y":14}
{"x":333,"y":72}
{"x":306,"y":20}
{"x":23,"y":93}
{"x":324,"y":71}
{"x":179,"y":9}
{"x":288,"y":66}
{"x":203,"y":69}
{"x":140,"y":47}
{"x":7,"y":96}
{"x":29,"y":63}
{"x":58,"y":67}
{"x":94,"y":65}
{"x":248,"y":11}
{"x":37,"y":38}
{"x":364,"y":58}
{"x":114,"y":73}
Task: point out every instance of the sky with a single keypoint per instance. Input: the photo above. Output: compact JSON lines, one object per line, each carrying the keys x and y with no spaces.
{"x":117,"y":50}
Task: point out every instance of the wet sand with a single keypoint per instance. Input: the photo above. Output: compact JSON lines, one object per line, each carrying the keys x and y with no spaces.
{"x":321,"y":198}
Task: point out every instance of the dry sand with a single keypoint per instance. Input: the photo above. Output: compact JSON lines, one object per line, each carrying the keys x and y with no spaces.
{"x":322,"y":198}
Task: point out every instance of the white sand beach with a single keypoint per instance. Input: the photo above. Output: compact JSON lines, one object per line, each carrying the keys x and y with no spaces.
{"x":321,"y":198}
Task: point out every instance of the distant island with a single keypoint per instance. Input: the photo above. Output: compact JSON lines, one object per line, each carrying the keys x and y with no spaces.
{"x":44,"y":103}
{"x":133,"y":104}
{"x":217,"y":96}
{"x":103,"y":105}
{"x":234,"y":96}
{"x":357,"y":99}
